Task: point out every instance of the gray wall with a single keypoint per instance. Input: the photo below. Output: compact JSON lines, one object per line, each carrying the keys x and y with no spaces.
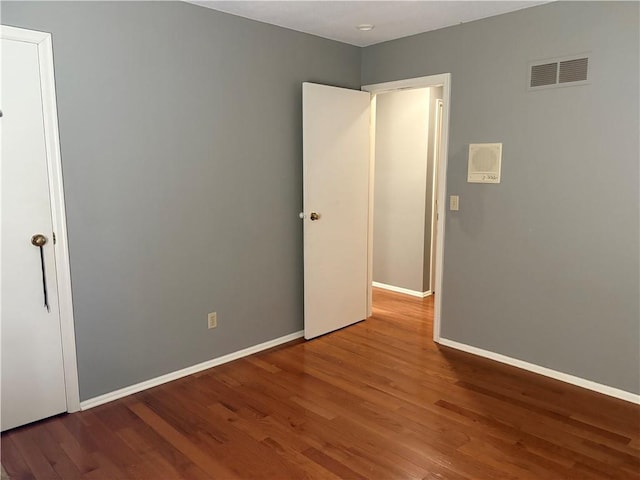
{"x":181,"y":147}
{"x":544,"y":266}
{"x":401,"y":154}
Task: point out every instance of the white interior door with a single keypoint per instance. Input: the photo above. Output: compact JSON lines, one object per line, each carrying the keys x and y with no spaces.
{"x":33,"y":382}
{"x":336,"y":169}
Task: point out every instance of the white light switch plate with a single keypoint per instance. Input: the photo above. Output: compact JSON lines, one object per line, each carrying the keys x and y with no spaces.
{"x":212,"y":320}
{"x":454,"y":203}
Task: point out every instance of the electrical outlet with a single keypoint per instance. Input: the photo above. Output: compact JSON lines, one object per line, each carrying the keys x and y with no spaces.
{"x":212,"y":319}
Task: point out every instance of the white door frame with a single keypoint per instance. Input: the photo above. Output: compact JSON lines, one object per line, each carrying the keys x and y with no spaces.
{"x":443,"y":80}
{"x":42,"y":40}
{"x":437,"y":143}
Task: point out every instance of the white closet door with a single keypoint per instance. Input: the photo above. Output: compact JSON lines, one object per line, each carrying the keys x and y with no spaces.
{"x":33,"y":383}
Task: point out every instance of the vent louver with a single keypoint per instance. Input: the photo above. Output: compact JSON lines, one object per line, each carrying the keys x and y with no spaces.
{"x":545,"y":74}
{"x":558,"y":72}
{"x":573,"y":70}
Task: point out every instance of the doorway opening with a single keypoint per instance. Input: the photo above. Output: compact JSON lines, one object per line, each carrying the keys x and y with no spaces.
{"x":409,"y":138}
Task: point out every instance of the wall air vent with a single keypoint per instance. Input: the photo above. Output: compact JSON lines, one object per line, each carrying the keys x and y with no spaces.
{"x":545,"y":74}
{"x":573,"y":70}
{"x":559,"y":72}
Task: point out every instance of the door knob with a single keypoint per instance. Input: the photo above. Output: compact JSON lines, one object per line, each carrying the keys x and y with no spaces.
{"x":314,"y":216}
{"x":38,"y":240}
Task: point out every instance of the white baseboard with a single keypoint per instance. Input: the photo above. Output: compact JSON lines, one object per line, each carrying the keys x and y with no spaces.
{"x":154,"y":382}
{"x":547,"y":372}
{"x":406,"y":291}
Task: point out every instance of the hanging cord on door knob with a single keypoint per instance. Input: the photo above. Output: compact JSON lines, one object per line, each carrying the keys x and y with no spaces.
{"x":39,"y":240}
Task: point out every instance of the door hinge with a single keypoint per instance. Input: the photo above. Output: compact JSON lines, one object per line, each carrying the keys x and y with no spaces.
{"x":54,"y":238}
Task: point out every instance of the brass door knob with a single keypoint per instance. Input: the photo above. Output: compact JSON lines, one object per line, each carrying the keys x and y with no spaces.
{"x":314,"y":216}
{"x":38,"y":240}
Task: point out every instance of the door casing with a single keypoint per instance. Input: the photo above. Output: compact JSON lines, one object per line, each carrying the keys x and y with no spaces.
{"x":437,"y":142}
{"x":42,"y":40}
{"x":443,"y":80}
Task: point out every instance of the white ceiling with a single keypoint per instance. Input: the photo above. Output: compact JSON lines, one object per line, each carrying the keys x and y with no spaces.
{"x":337,"y":20}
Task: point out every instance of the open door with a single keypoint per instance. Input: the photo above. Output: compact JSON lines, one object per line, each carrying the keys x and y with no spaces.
{"x":336,"y":169}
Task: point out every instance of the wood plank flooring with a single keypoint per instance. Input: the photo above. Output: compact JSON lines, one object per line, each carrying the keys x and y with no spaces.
{"x":378,"y":400}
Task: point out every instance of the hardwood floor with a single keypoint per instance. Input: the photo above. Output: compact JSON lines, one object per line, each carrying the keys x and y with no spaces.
{"x":378,"y":400}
